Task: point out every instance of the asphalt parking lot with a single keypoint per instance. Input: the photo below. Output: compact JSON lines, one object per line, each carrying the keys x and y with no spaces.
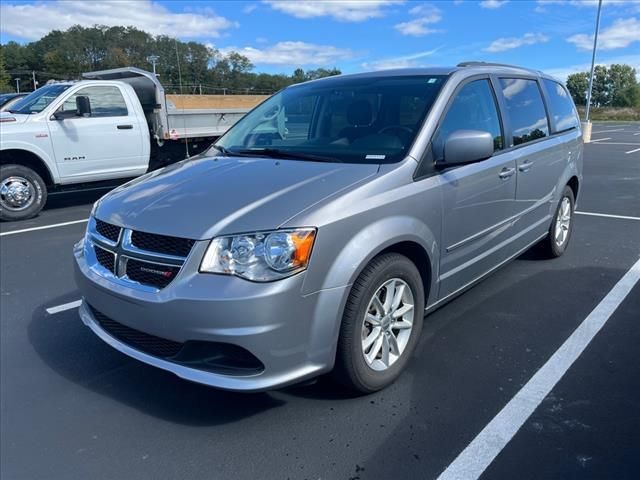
{"x":72,"y":407}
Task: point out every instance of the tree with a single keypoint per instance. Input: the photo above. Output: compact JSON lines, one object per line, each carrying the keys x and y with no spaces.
{"x":5,"y":78}
{"x":621,"y":78}
{"x":577,"y":84}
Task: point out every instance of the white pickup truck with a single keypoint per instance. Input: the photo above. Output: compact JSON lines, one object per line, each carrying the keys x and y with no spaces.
{"x":113,"y":124}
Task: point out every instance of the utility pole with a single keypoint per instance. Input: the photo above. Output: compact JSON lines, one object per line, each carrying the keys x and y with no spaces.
{"x":35,"y":82}
{"x":153,"y":59}
{"x":593,"y":62}
{"x":17,"y":85}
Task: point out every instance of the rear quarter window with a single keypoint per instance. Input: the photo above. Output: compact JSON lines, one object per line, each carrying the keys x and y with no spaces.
{"x":525,"y":109}
{"x":561,"y":107}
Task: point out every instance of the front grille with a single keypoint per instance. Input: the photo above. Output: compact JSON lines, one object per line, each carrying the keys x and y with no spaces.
{"x":151,"y":273}
{"x":156,"y":346}
{"x":164,"y":244}
{"x":112,"y":232}
{"x":105,"y":258}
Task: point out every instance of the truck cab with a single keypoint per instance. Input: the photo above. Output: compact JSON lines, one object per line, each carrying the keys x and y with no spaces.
{"x":114,"y":124}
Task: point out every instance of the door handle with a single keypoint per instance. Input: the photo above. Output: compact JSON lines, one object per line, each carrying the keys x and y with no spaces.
{"x":506,"y":172}
{"x":525,"y":166}
{"x":124,"y":127}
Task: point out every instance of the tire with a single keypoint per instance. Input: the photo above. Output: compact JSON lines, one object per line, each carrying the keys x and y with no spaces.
{"x":551,"y":246}
{"x":352,"y":369}
{"x":23,"y":193}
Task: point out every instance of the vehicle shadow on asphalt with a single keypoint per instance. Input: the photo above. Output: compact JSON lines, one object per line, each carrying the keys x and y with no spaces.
{"x":72,"y":351}
{"x":73,"y":198}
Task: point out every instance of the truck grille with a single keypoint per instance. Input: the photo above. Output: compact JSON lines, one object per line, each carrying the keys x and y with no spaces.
{"x":106,"y":259}
{"x":156,"y":346}
{"x":151,"y":273}
{"x":164,"y":244}
{"x":111,"y":232}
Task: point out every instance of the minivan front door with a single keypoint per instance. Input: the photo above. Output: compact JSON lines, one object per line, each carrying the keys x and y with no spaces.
{"x":479,"y":198}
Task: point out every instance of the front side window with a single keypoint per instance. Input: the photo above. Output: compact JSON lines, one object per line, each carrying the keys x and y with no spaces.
{"x":355,"y":120}
{"x":40,"y":99}
{"x":561,"y":106}
{"x":473,"y":108}
{"x":106,"y":101}
{"x":525,"y":109}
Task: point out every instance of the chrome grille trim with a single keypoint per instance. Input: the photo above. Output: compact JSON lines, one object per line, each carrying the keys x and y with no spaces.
{"x":124,"y":250}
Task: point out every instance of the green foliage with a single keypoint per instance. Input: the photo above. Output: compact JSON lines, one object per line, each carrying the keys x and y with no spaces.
{"x":5,"y":78}
{"x":615,"y":86}
{"x":577,"y":84}
{"x":66,"y":54}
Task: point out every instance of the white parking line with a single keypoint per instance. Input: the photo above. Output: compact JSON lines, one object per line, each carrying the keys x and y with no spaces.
{"x":44,"y":227}
{"x":608,"y":215}
{"x":609,"y":131}
{"x":63,"y":307}
{"x":615,"y":143}
{"x":632,"y":151}
{"x":479,"y":454}
{"x":600,"y":139}
{"x":636,"y":134}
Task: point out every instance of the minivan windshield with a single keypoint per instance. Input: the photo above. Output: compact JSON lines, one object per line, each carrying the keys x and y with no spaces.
{"x":354,"y":120}
{"x":40,"y":99}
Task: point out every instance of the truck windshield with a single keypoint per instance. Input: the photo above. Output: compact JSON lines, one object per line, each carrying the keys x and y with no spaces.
{"x":37,"y":101}
{"x":354,"y":120}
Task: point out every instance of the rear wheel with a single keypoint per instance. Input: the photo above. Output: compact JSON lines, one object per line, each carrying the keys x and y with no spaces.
{"x":23,"y":193}
{"x":381,"y":324}
{"x":556,"y":243}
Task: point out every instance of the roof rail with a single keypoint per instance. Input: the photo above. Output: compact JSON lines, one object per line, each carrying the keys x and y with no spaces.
{"x":491,"y":64}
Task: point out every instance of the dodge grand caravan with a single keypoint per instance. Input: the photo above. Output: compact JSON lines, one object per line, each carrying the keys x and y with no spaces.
{"x":315,"y":235}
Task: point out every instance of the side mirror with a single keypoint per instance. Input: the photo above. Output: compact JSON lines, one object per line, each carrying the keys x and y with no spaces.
{"x":466,"y":146}
{"x":83,"y":106}
{"x":83,"y":109}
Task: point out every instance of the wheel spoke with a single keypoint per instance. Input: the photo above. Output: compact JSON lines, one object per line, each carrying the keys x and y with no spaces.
{"x":385,"y":350}
{"x":401,"y":325}
{"x":373,"y":336}
{"x":393,"y":344}
{"x":373,"y":320}
{"x":373,"y":353}
{"x":397,"y":297}
{"x":403,"y":310}
{"x":388,"y":300}
{"x":378,"y":305}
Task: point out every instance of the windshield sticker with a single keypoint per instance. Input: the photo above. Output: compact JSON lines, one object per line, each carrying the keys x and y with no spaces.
{"x":375,"y":157}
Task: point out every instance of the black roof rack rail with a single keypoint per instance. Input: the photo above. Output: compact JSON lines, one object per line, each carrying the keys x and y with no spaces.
{"x":491,"y":64}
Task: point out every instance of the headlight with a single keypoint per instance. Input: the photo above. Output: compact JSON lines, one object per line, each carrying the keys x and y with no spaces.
{"x":262,"y":256}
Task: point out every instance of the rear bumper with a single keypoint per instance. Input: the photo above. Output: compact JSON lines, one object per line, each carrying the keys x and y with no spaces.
{"x":293,"y":336}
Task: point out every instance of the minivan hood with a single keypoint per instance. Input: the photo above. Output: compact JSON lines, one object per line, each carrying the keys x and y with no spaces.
{"x":203,"y":197}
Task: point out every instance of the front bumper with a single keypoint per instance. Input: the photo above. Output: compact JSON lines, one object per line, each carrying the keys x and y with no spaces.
{"x":294,"y":336}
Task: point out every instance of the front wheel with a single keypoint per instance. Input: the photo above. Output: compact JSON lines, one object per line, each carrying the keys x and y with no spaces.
{"x":381,"y":324}
{"x":557,"y":241}
{"x":23,"y":193}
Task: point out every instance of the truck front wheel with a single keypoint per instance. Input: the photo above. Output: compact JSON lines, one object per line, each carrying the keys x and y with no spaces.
{"x":23,"y":193}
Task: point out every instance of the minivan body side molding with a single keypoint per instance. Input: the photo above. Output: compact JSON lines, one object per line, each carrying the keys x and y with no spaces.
{"x":466,"y":286}
{"x":506,"y":222}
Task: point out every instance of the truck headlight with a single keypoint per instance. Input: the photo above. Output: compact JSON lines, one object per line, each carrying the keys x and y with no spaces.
{"x":261,"y":256}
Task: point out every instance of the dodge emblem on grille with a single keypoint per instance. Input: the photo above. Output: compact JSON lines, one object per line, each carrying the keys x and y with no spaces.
{"x":166,"y":273}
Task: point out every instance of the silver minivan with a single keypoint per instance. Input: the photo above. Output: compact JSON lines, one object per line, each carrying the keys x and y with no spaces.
{"x":315,"y":235}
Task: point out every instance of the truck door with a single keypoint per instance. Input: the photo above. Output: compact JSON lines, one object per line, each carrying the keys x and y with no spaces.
{"x":105,"y":144}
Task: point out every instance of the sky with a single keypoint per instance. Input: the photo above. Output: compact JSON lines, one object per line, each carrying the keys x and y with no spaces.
{"x":358,"y":35}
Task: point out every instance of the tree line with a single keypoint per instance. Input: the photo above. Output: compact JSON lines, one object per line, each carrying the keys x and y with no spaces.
{"x":615,"y":86}
{"x":65,"y":55}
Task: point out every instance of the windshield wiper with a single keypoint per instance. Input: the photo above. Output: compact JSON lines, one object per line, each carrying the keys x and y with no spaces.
{"x":230,"y":153}
{"x":286,"y":154}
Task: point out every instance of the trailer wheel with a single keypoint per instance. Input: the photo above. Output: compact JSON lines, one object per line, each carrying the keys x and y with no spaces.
{"x":23,"y":193}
